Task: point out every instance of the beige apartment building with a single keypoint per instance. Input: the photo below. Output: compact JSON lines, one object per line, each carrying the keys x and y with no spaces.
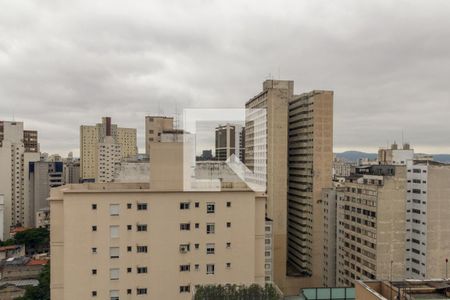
{"x":371,"y":225}
{"x":91,"y":140}
{"x":18,"y":147}
{"x":288,"y":142}
{"x":157,"y":240}
{"x":310,"y":171}
{"x":140,"y":243}
{"x":154,"y":127}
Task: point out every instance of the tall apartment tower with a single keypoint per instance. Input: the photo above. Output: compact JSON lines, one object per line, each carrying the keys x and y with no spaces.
{"x":297,"y":147}
{"x":310,"y":170}
{"x":18,"y":147}
{"x":371,"y":225}
{"x":91,"y":138}
{"x":230,"y":139}
{"x":427,"y":219}
{"x":154,"y":127}
{"x":266,"y":155}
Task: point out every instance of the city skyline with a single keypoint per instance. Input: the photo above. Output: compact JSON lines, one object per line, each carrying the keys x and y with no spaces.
{"x":130,"y":62}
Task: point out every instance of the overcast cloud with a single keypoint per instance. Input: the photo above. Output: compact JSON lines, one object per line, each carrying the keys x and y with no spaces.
{"x":67,"y":63}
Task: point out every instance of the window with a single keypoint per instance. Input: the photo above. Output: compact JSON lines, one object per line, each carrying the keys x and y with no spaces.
{"x":210,"y":207}
{"x":94,"y":228}
{"x":94,"y":271}
{"x":185,"y":289}
{"x":142,"y":206}
{"x":228,"y":204}
{"x":228,"y":245}
{"x":129,"y":227}
{"x":141,"y":270}
{"x":114,"y":209}
{"x":185,"y":226}
{"x":209,"y":269}
{"x":129,"y":205}
{"x":94,"y":293}
{"x":128,"y":291}
{"x":210,"y":228}
{"x":129,"y":248}
{"x":267,"y":253}
{"x":228,"y":265}
{"x":185,"y":268}
{"x":197,"y":267}
{"x":114,"y":295}
{"x":114,"y":274}
{"x":114,"y":231}
{"x":129,"y":270}
{"x":184,"y":205}
{"x":184,"y":248}
{"x":197,"y":246}
{"x":142,"y":227}
{"x":197,"y":204}
{"x":228,"y":224}
{"x":141,"y":291}
{"x":114,"y":252}
{"x":210,"y":248}
{"x":197,"y":225}
{"x":94,"y":250}
{"x":141,"y":249}
{"x":94,"y":206}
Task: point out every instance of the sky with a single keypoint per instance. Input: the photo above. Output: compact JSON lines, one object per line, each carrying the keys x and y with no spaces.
{"x":67,"y":63}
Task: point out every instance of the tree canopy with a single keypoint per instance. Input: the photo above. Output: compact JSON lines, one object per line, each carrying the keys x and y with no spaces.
{"x":236,"y":292}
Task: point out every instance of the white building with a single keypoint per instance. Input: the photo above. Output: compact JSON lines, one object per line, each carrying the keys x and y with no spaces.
{"x":18,"y":147}
{"x":109,"y":156}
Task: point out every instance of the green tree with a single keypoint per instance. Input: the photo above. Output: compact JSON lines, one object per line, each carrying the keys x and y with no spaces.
{"x":236,"y":292}
{"x":42,"y":291}
{"x":34,"y":239}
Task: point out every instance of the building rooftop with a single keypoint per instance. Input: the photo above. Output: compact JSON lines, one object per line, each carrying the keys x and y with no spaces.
{"x":12,"y":247}
{"x":432,"y":289}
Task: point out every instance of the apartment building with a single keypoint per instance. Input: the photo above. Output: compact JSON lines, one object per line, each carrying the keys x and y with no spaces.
{"x":310,"y":170}
{"x":288,"y":143}
{"x":43,"y":175}
{"x":266,"y":144}
{"x":230,"y":139}
{"x":133,"y":234}
{"x":154,"y":127}
{"x":94,"y":138}
{"x":18,"y":147}
{"x":427,"y":219}
{"x":330,"y":198}
{"x":72,"y":171}
{"x":371,"y":225}
{"x":109,"y":157}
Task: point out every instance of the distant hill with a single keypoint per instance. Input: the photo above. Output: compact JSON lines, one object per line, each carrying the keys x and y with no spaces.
{"x":356,"y":155}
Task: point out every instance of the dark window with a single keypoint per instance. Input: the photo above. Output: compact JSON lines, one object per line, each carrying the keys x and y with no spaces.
{"x":94,"y":271}
{"x":94,"y":228}
{"x":142,"y":227}
{"x":129,"y":227}
{"x":94,"y":206}
{"x":228,"y":204}
{"x":94,"y":293}
{"x":197,"y":204}
{"x":129,"y":205}
{"x":142,"y":206}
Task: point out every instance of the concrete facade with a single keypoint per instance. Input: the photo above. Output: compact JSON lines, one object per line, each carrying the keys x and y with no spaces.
{"x":371,"y":223}
{"x":230,"y":139}
{"x":154,"y":127}
{"x":18,"y":147}
{"x":43,"y":176}
{"x":180,"y":239}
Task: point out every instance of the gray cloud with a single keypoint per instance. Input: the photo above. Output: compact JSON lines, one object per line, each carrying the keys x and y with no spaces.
{"x":67,"y":64}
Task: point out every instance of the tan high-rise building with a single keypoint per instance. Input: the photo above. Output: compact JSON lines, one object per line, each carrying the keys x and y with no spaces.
{"x":371,"y":225}
{"x":91,"y":138}
{"x":154,"y":241}
{"x":154,"y":127}
{"x":18,"y":147}
{"x":310,"y":170}
{"x":294,"y":158}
